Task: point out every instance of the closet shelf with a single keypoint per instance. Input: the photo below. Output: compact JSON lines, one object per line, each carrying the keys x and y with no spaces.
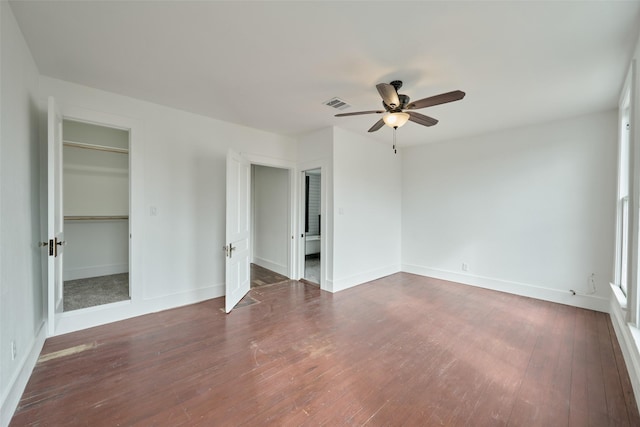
{"x":95,"y":147}
{"x":95,"y":217}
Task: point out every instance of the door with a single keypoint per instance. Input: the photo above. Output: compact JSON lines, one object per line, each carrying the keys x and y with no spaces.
{"x":237,"y":271}
{"x":55,"y":217}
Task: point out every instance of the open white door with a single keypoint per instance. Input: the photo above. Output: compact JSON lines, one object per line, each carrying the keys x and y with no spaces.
{"x":238,"y":273}
{"x":55,"y":217}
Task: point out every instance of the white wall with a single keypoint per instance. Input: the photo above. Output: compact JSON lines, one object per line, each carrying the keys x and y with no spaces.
{"x":178,"y":163}
{"x":21,"y":289}
{"x":270,"y":209}
{"x":529,"y":210}
{"x":95,"y":248}
{"x":366,"y":209}
{"x":95,"y":182}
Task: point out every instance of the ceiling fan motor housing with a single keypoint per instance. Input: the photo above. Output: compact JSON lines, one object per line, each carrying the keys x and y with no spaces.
{"x":396,"y":84}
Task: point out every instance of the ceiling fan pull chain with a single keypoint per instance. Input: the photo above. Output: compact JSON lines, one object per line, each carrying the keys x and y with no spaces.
{"x":395,"y":128}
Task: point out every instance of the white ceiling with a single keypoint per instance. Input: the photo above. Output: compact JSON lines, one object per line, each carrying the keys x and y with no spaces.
{"x":270,"y":65}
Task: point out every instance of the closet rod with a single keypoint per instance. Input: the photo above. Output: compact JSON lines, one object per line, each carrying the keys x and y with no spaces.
{"x":94,"y":217}
{"x":95,"y":147}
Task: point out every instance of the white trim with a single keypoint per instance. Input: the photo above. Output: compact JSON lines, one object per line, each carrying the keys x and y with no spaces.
{"x":18,"y":383}
{"x":619,"y":296}
{"x":137,"y":305}
{"x":628,"y":337}
{"x":95,"y":271}
{"x":362,"y":278}
{"x":290,"y":166}
{"x":76,"y":320}
{"x":592,"y":302}
{"x":326,"y":226}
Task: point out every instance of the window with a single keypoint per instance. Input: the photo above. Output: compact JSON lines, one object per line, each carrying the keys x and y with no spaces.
{"x":623,"y":249}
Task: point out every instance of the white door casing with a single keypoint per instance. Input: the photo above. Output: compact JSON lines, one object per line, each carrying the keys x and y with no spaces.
{"x":237,"y":253}
{"x":55,"y":216}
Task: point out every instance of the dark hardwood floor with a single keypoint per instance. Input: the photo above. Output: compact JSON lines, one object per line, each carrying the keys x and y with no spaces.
{"x":402,"y":350}
{"x":261,"y":276}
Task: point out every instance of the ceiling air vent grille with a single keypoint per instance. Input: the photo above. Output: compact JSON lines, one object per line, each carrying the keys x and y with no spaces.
{"x":337,"y":103}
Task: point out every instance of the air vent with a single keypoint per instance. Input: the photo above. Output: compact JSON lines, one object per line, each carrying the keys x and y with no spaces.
{"x":337,"y":103}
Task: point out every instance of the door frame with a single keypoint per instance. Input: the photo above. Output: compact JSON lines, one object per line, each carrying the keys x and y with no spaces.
{"x":256,"y":159}
{"x":325,"y":222}
{"x":85,"y":318}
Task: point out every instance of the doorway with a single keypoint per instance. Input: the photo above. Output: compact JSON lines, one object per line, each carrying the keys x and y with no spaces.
{"x":312,"y":228}
{"x":270,"y":211}
{"x":95,"y":186}
{"x":249,"y":192}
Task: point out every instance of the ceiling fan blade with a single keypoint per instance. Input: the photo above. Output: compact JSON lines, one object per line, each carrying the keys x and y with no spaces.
{"x":388,"y":94}
{"x":357,"y":113}
{"x":443,"y":98}
{"x":377,"y":126}
{"x":421,"y":119}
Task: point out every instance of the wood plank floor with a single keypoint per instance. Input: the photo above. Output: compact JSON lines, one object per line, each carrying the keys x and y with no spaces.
{"x":261,"y":276}
{"x":400,"y":351}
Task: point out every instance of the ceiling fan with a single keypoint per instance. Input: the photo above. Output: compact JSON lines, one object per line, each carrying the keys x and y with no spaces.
{"x":395,"y":105}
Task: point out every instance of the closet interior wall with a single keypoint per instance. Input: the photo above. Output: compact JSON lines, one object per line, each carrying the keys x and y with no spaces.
{"x":96,"y":200}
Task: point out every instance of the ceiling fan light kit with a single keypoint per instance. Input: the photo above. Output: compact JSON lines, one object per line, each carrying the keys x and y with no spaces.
{"x":395,"y":120}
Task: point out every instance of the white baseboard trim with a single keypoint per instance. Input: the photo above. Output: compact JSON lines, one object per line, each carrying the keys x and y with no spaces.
{"x":592,"y":302}
{"x":327,"y":285}
{"x":360,"y":278}
{"x":95,"y":271}
{"x":18,"y":383}
{"x":271,"y":265}
{"x":95,"y":316}
{"x":628,"y":345}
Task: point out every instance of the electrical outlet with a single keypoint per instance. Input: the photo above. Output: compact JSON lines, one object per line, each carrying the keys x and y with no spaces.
{"x":14,"y":351}
{"x":465,"y":266}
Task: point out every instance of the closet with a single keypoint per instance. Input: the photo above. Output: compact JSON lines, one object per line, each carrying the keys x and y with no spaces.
{"x":96,"y":214}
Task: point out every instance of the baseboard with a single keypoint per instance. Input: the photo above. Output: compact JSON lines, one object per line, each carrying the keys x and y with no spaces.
{"x":95,"y":271}
{"x":358,"y":279}
{"x":592,"y":302}
{"x":271,"y":265}
{"x":628,"y":345}
{"x":18,"y":383}
{"x":327,"y":285}
{"x":95,"y":316}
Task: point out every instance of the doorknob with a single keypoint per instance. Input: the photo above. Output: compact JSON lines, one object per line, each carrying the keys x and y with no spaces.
{"x":228,"y":250}
{"x":54,"y":249}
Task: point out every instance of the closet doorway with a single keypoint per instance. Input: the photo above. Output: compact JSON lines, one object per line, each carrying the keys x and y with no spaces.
{"x":312,"y":221}
{"x":96,"y":215}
